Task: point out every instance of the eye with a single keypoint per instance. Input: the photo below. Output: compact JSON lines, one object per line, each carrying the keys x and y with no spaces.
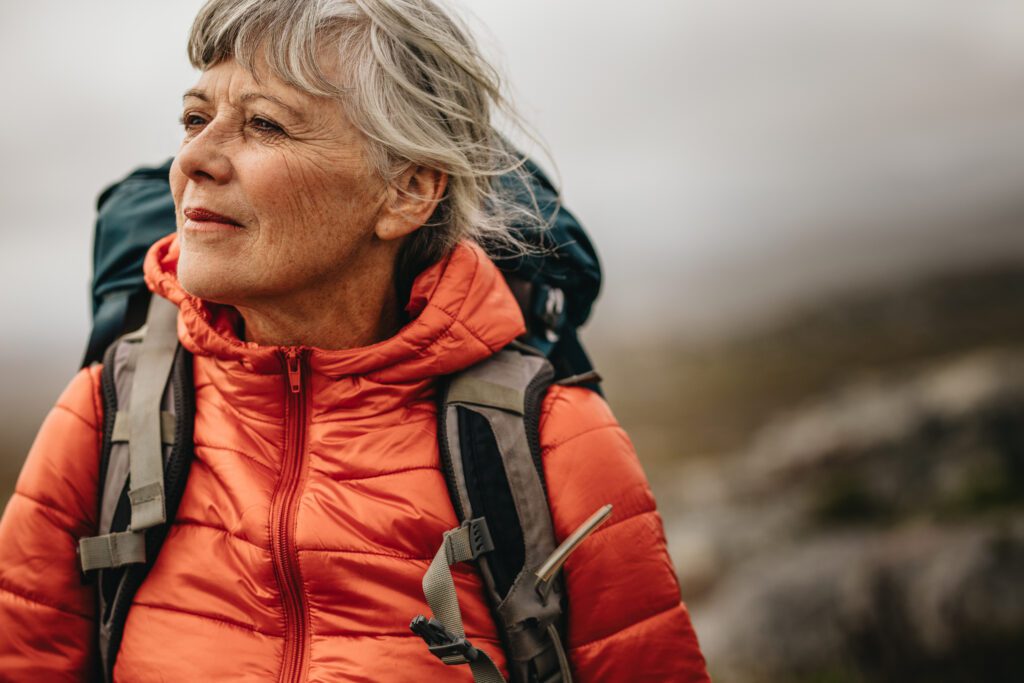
{"x":191,"y":121}
{"x":263,"y":125}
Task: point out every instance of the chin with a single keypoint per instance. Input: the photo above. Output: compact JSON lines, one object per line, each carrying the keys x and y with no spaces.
{"x":203,"y":278}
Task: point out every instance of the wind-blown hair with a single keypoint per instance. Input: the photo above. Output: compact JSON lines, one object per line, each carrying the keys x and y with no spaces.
{"x":413,"y":82}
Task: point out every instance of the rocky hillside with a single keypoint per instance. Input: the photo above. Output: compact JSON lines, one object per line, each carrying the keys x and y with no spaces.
{"x":874,"y":534}
{"x":843,"y":491}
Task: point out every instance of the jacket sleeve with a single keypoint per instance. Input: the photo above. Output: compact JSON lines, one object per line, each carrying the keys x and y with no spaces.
{"x":626,"y":620}
{"x":46,"y":613}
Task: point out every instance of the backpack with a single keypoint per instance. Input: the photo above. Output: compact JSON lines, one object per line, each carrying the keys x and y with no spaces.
{"x":488,"y":438}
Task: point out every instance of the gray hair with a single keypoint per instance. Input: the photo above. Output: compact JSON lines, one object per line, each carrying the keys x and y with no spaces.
{"x":415,"y":85}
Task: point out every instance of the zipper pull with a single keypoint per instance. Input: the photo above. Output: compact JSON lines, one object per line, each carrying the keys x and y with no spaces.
{"x":293,"y":360}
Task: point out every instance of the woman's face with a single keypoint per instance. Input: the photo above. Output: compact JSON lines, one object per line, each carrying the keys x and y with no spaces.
{"x":273,"y":193}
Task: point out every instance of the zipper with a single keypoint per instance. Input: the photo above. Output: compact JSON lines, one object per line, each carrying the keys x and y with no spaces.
{"x":283,"y":509}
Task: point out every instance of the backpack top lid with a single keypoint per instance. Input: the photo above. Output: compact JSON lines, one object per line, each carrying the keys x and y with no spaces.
{"x":556,"y":286}
{"x":563,"y":276}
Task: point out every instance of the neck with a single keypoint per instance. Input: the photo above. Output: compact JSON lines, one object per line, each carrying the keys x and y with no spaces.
{"x":348,"y":312}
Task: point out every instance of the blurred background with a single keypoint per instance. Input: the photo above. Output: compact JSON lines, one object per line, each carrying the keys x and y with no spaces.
{"x":811,"y":217}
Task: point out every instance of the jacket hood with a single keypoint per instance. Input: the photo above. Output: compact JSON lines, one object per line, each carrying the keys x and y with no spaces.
{"x":461,"y":311}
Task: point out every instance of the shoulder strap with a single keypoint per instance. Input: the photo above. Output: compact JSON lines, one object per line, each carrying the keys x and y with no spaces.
{"x":148,"y":414}
{"x":489,"y":440}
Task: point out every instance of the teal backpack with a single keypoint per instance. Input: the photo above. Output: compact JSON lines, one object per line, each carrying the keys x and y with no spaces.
{"x":488,"y":436}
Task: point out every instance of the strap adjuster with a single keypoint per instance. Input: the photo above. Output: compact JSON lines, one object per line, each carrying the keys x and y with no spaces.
{"x":468,"y":541}
{"x":111,"y":550}
{"x":479,"y":536}
{"x":442,"y":643}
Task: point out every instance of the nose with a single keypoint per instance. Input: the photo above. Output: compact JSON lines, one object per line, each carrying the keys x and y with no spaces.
{"x":204,"y":159}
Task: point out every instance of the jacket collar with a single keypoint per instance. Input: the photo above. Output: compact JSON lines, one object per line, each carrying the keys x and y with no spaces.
{"x":461,"y":311}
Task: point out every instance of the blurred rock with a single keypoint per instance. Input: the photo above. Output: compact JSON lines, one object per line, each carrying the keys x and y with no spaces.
{"x":889,"y":606}
{"x":870,"y":415}
{"x":875,"y":534}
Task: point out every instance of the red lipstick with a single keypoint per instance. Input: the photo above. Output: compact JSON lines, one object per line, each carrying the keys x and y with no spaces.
{"x":201,"y":215}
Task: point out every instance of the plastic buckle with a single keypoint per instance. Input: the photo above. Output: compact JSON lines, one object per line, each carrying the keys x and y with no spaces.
{"x":549,"y":307}
{"x":442,"y":643}
{"x":480,"y":541}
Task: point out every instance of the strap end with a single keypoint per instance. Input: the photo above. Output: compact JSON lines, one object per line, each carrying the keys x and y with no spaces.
{"x":111,"y":550}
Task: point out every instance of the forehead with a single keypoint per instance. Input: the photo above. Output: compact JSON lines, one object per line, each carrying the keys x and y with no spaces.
{"x":233,"y":81}
{"x":229,"y":79}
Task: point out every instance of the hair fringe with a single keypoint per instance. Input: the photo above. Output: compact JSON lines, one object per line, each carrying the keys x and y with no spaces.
{"x":425,"y":97}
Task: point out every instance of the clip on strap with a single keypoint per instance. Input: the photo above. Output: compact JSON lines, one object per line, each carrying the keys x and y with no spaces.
{"x":442,"y":643}
{"x":444,"y":634}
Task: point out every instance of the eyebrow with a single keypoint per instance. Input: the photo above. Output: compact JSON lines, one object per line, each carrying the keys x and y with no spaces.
{"x":250,"y":96}
{"x":245,"y":97}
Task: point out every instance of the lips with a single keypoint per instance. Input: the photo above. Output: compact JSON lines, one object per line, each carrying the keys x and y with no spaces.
{"x":201,"y":215}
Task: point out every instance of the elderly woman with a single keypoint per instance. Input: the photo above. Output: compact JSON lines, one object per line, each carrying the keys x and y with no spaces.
{"x":334,"y":193}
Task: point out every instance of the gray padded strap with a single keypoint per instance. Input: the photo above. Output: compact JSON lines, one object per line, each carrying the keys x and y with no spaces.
{"x":498,"y":383}
{"x":156,"y":355}
{"x":459,"y":545}
{"x":522,"y":604}
{"x":111,"y":550}
{"x":121,"y":370}
{"x":505,"y":390}
{"x":123,"y":427}
{"x":475,"y":391}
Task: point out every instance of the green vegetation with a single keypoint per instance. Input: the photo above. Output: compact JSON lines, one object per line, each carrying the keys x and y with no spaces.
{"x":845,"y":499}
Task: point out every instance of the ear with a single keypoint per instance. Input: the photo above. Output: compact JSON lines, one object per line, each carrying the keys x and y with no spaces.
{"x":410,"y":201}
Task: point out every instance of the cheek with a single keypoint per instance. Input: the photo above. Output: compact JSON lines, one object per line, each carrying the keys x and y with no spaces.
{"x":309,"y":208}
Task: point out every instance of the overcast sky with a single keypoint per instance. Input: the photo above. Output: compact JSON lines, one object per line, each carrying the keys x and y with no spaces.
{"x":725,"y":154}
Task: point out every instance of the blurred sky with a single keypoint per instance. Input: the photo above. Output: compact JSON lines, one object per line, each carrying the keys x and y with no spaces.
{"x":726,"y":155}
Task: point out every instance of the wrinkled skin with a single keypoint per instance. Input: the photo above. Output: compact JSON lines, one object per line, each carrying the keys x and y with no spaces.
{"x":312,"y":259}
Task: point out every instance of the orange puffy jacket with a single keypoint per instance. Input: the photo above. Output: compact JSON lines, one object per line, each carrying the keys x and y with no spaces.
{"x":300,"y":559}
